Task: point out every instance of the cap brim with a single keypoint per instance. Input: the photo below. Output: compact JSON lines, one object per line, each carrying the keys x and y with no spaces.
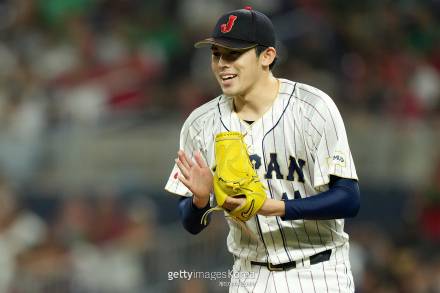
{"x":226,"y":43}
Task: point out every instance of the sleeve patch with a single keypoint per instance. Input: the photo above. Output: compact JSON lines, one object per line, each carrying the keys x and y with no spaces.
{"x":338,"y":159}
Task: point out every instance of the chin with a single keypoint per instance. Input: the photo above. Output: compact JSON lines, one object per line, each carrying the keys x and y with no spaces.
{"x":229,"y":92}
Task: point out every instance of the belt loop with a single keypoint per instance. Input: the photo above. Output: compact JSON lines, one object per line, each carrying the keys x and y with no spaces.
{"x":271,"y":268}
{"x":306,"y":262}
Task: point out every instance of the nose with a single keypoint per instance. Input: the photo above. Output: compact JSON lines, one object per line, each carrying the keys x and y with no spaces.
{"x":222,"y":62}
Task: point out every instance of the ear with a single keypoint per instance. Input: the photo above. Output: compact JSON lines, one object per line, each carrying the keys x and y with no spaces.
{"x":267,"y":56}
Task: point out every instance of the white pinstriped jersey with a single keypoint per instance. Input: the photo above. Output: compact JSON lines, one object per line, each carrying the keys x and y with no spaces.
{"x":295,"y":146}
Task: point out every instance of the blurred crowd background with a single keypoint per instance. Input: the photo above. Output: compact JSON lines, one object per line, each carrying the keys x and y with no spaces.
{"x":92,"y":97}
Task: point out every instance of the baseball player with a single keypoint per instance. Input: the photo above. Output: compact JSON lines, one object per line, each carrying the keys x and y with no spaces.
{"x":298,"y":145}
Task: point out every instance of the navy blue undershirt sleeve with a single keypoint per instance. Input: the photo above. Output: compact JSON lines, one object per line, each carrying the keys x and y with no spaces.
{"x":191,"y":215}
{"x":342,"y":200}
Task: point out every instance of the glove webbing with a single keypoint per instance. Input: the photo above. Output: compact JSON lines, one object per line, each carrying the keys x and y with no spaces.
{"x":244,"y":227}
{"x":204,"y":220}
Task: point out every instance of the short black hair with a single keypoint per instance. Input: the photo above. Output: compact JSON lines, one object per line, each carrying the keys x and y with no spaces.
{"x":260,"y":49}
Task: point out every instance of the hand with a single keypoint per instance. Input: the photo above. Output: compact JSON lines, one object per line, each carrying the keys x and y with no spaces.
{"x":196,"y":176}
{"x":231,"y":203}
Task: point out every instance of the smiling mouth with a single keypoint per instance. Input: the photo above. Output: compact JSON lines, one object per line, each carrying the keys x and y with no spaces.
{"x":227,"y":77}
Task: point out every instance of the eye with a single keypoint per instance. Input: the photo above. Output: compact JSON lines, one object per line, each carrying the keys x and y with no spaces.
{"x":216,"y":54}
{"x":232,"y":55}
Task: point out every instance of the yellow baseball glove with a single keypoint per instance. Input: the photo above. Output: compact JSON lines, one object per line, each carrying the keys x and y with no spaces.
{"x":235,"y":176}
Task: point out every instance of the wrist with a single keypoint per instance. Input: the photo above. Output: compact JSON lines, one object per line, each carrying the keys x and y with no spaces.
{"x":272,"y":207}
{"x":200,"y":202}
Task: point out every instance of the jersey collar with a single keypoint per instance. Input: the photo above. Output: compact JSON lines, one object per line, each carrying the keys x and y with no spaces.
{"x":231,"y":122}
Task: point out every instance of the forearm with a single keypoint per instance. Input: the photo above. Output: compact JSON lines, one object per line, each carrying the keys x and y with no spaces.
{"x":272,"y":207}
{"x":342,"y":200}
{"x":191,"y":215}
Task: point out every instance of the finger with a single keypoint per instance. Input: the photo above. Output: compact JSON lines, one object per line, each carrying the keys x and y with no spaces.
{"x":199,"y":160}
{"x":182,"y":168}
{"x":228,"y":205}
{"x":184,"y":181}
{"x":183,"y":158}
{"x":233,"y":201}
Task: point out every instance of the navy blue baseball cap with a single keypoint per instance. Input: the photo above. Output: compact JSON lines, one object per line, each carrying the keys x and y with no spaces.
{"x":241,"y":29}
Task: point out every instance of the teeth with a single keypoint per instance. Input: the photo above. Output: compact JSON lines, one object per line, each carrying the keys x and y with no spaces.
{"x":229,"y":76}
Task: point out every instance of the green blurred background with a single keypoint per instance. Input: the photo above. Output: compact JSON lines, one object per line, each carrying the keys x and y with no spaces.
{"x":92,"y":97}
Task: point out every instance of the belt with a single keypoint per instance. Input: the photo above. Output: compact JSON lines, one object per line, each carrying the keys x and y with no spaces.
{"x":314,"y":259}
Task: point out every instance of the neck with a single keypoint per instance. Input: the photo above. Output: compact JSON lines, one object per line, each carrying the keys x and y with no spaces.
{"x":258,"y":100}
